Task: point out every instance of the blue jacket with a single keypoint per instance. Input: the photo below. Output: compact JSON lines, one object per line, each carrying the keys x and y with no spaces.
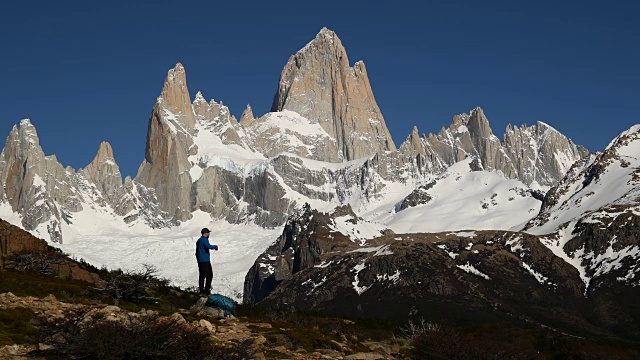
{"x":202,"y":249}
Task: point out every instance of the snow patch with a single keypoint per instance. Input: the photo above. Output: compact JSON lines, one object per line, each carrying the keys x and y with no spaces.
{"x":472,"y":270}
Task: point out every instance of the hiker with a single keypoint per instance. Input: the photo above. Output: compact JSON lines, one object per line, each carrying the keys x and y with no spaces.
{"x":204,"y":262}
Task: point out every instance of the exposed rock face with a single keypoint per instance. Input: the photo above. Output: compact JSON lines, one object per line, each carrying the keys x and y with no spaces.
{"x":175,"y":97}
{"x":418,"y":197}
{"x":216,"y":118}
{"x":550,"y":152}
{"x":35,"y":185}
{"x":14,"y":240}
{"x":318,"y":83}
{"x":104,"y":173}
{"x":46,"y":194}
{"x":169,"y":143}
{"x":538,"y":153}
{"x":303,"y":241}
{"x":247,"y":116}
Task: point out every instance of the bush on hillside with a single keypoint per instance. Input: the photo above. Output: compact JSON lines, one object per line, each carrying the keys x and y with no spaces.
{"x":85,"y":334}
{"x":503,"y":340}
{"x":132,"y":286}
{"x":46,"y":262}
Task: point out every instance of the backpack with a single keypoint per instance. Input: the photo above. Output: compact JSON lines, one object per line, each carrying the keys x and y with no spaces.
{"x":222,"y":302}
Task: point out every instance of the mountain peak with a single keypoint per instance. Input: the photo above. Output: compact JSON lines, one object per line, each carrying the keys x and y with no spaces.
{"x":632,"y":131}
{"x":175,"y":85}
{"x":199,"y":97}
{"x":177,"y":72}
{"x":247,"y":116}
{"x":325,"y":31}
{"x":324,"y":37}
{"x":105,"y":150}
{"x":104,"y":172}
{"x":318,"y":83}
{"x":175,"y":98}
{"x":479,"y":124}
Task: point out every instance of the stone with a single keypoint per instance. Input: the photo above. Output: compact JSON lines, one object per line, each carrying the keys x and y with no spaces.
{"x":178,"y":318}
{"x":44,"y":347}
{"x":364,"y":356}
{"x":110,"y":309}
{"x":207,"y":325}
{"x":50,"y":298}
{"x":381,"y":347}
{"x":260,"y":340}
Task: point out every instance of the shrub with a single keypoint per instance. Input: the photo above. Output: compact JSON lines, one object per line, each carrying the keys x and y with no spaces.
{"x":132,"y":286}
{"x":15,"y":327}
{"x":45,"y":262}
{"x":82,"y":334}
{"x":493,"y":341}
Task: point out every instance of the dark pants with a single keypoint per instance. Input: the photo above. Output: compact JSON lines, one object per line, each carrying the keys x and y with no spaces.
{"x":206,"y":275}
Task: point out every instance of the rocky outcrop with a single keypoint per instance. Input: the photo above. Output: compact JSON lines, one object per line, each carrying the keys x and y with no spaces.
{"x":48,"y":195}
{"x":417,"y":197}
{"x":471,"y":275}
{"x":15,"y":241}
{"x":247,"y":338}
{"x":319,"y":84}
{"x":305,"y":238}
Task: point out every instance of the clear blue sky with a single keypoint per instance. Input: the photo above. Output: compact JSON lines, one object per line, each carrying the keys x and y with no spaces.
{"x":86,"y":73}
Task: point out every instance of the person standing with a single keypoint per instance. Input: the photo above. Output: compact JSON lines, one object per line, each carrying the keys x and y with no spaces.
{"x":204,"y":261}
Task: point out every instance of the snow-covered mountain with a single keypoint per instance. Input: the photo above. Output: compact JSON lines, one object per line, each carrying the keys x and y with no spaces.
{"x":591,"y":217}
{"x":199,"y":157}
{"x":574,"y":269}
{"x":324,"y":143}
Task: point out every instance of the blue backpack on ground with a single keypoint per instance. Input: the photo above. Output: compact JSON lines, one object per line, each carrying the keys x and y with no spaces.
{"x":221,"y":302}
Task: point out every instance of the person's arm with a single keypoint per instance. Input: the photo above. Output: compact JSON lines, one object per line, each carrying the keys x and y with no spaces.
{"x":210,"y":246}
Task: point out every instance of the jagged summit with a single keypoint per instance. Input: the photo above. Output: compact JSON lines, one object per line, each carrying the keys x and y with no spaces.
{"x":247,"y":116}
{"x":319,"y":84}
{"x":104,"y":172}
{"x":105,"y":153}
{"x":324,"y":35}
{"x":200,"y":157}
{"x":199,"y":97}
{"x":175,"y":98}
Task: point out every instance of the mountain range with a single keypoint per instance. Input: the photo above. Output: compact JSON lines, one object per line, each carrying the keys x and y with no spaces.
{"x":572,"y":267}
{"x":325,"y":142}
{"x":436,"y":216}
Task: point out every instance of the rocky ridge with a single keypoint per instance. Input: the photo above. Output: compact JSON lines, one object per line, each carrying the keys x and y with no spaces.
{"x":590,"y":218}
{"x":469,"y":276}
